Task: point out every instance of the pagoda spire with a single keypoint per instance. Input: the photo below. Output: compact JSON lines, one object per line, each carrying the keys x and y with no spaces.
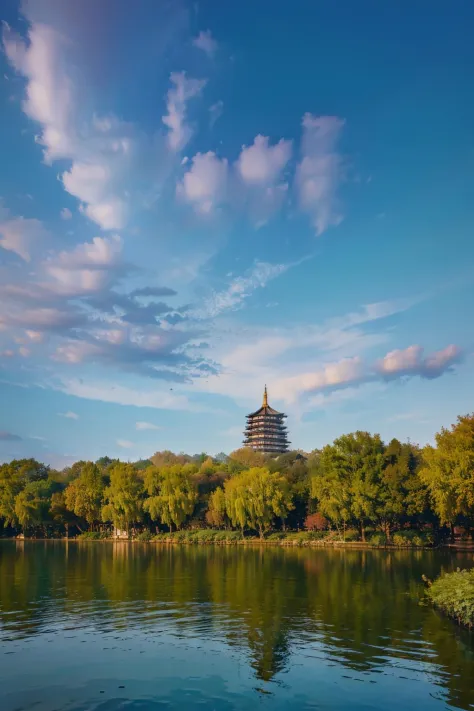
{"x":265,"y":397}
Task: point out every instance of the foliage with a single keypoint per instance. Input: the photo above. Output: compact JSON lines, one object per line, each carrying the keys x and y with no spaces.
{"x":355,"y":488}
{"x":412,"y":538}
{"x":144,"y":536}
{"x":255,"y":497}
{"x":93,"y":535}
{"x":453,"y":593}
{"x":123,"y":497}
{"x":14,"y":477}
{"x":172,"y":495}
{"x":84,"y":494}
{"x":448,"y":471}
{"x":33,"y":502}
{"x":216,"y":512}
{"x":316,"y":522}
{"x":246,"y":457}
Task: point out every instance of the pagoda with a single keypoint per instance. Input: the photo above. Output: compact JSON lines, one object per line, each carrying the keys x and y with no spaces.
{"x":266,"y":431}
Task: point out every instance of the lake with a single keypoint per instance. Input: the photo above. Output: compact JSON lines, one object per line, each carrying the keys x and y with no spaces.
{"x":108,"y":626}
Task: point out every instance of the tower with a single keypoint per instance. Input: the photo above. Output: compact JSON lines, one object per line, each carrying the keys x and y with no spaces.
{"x":266,"y":431}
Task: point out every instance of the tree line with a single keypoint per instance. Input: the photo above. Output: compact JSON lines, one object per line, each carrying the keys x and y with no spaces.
{"x":355,"y":488}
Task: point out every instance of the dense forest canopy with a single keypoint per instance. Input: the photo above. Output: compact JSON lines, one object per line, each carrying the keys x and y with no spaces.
{"x":357,"y":488}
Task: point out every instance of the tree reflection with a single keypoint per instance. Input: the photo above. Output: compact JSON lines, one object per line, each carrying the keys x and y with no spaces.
{"x":357,"y":608}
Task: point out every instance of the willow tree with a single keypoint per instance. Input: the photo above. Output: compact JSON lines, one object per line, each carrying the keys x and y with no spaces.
{"x":216,"y":511}
{"x":84,"y":495}
{"x":448,"y":471}
{"x":123,"y":497}
{"x":172,"y":495}
{"x":256,"y":497}
{"x":32,"y":504}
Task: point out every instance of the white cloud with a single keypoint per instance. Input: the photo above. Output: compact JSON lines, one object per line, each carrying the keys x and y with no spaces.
{"x":182,"y":91}
{"x":261,"y":163}
{"x":22,"y":236}
{"x":346,"y":371}
{"x":410,"y":361}
{"x":66,"y":213}
{"x":320,"y":171}
{"x":204,"y":184}
{"x":48,"y":92}
{"x":206,"y":42}
{"x":69,"y":415}
{"x":125,"y":443}
{"x":146,"y":426}
{"x":106,"y":154}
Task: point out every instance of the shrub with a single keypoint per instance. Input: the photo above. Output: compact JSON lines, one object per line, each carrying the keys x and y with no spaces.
{"x":144,"y":536}
{"x":276,"y":536}
{"x":411,"y":537}
{"x":316,"y":522}
{"x":378,"y":539}
{"x":454,"y":594}
{"x":90,"y":536}
{"x":352,"y":534}
{"x":227,"y":536}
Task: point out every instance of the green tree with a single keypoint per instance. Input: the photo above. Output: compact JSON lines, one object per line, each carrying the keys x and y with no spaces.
{"x":216,"y":512}
{"x":402,"y":495}
{"x":123,"y":497}
{"x":348,"y":477}
{"x":448,"y":471}
{"x":84,"y":495}
{"x":14,"y":476}
{"x":255,"y":497}
{"x":33,"y":502}
{"x":172,"y":495}
{"x":60,"y":514}
{"x":246,"y":457}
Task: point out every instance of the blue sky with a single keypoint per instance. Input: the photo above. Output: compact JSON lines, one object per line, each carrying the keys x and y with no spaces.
{"x":200,"y":198}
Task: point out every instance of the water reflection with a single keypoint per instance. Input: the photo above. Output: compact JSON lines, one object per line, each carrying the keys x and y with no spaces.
{"x":356,"y":611}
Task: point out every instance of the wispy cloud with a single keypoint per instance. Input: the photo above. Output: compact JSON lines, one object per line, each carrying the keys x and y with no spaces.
{"x":137,"y":396}
{"x":215,"y":112}
{"x":125,"y":443}
{"x":206,"y":42}
{"x":69,"y":415}
{"x":146,"y":426}
{"x":320,"y":171}
{"x":240,"y":288}
{"x":183,"y":89}
{"x":22,"y":236}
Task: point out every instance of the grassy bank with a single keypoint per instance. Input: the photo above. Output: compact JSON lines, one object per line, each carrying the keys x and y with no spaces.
{"x":296,"y":538}
{"x":453,"y":594}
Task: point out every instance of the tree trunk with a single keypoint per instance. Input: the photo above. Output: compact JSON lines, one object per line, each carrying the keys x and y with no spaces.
{"x":362,"y":532}
{"x":260,"y":531}
{"x":451,"y":526}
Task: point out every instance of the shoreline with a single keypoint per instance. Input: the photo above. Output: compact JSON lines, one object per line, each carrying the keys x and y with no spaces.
{"x":354,"y":545}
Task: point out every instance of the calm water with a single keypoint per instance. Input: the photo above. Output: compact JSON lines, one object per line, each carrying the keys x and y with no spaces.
{"x":119,"y":626}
